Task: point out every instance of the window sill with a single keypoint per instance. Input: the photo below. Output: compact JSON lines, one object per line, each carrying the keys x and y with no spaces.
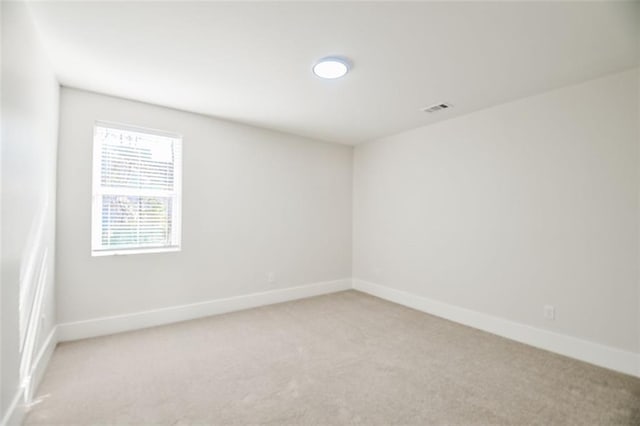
{"x":124,"y":252}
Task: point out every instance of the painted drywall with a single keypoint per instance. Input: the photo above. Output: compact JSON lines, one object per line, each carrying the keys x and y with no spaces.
{"x":505,"y":210}
{"x":254,"y":201}
{"x":30,"y":95}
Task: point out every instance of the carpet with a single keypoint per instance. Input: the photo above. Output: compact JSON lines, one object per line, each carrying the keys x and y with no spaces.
{"x":343,"y":358}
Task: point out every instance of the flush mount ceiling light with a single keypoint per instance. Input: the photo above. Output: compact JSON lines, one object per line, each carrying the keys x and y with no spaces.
{"x":331,"y":67}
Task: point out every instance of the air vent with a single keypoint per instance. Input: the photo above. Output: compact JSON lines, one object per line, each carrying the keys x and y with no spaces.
{"x":437,"y":107}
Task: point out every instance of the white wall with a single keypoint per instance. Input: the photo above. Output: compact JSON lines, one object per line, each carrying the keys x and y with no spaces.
{"x":254,"y":201}
{"x":504,"y":210}
{"x":29,"y":136}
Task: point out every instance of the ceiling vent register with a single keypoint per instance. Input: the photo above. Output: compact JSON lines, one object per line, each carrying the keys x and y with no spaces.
{"x":437,"y":107}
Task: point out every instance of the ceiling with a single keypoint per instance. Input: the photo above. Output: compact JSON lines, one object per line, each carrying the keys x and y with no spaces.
{"x":251,"y":62}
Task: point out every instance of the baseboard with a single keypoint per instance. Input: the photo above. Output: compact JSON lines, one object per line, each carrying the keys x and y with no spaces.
{"x":41,"y":362}
{"x":119,"y":323}
{"x":594,"y":353}
{"x":18,"y":407}
{"x":15,"y":412}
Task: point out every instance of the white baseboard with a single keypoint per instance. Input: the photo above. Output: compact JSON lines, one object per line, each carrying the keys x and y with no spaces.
{"x":594,"y":353}
{"x":18,"y":407}
{"x":41,"y":362}
{"x":15,"y":412}
{"x":119,"y":323}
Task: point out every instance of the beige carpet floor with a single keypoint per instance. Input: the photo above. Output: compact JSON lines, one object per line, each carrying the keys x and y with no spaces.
{"x":345,"y":358}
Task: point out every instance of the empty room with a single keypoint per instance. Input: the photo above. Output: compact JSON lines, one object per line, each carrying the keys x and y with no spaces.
{"x":320,"y":213}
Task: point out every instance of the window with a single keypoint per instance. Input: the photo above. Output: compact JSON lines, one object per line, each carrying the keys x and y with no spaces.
{"x":137,"y":177}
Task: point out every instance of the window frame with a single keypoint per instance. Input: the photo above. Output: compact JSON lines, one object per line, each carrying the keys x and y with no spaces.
{"x":97,"y":192}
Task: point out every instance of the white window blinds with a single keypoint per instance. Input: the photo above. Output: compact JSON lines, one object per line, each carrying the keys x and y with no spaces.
{"x":136,"y":190}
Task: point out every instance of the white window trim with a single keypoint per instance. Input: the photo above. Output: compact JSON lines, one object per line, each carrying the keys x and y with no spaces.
{"x":96,"y":209}
{"x":124,"y":252}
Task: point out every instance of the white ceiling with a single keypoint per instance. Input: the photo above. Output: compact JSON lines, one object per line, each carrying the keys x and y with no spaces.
{"x":251,"y":62}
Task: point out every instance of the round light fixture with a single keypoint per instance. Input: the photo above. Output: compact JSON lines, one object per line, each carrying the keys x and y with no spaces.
{"x":331,"y":67}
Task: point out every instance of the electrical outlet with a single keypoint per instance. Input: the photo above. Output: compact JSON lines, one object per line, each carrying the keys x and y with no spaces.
{"x":271,"y":277}
{"x":549,"y":312}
